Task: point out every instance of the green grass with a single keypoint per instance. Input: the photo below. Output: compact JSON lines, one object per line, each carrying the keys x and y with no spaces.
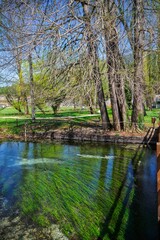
{"x":64,"y":112}
{"x":9,"y":111}
{"x":11,"y":121}
{"x":154,"y":113}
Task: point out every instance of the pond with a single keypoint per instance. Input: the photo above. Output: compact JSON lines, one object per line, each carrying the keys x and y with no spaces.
{"x":77,"y":191}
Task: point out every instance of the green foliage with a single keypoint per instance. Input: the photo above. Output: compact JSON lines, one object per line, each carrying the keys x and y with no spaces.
{"x":41,"y":220}
{"x":151,"y":75}
{"x":3,"y":90}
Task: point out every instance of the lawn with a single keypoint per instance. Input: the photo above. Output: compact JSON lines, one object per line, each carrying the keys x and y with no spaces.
{"x":150,"y":114}
{"x":11,"y":120}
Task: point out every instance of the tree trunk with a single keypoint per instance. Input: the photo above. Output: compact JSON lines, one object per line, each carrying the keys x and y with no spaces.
{"x":137,"y":111}
{"x":121,"y":98}
{"x":55,"y":109}
{"x":89,"y":99}
{"x":22,"y":92}
{"x":92,"y":56}
{"x":11,"y":101}
{"x":100,"y":95}
{"x":115,"y":66}
{"x":26,"y":105}
{"x":40,"y":108}
{"x":158,"y":50}
{"x":112,"y":82}
{"x":31,"y":87}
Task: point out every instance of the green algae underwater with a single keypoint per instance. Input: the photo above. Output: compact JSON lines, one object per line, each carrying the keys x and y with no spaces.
{"x":92,"y":191}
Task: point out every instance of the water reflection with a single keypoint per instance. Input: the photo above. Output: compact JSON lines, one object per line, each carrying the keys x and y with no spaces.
{"x":92,"y":191}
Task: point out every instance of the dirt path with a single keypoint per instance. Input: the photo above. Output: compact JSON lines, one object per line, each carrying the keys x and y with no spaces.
{"x":54,"y":118}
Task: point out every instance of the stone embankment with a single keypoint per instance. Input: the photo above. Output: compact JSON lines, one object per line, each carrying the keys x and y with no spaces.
{"x":93,"y":135}
{"x":81,"y":134}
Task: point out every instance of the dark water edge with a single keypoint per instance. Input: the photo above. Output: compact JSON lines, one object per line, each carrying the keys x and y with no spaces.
{"x":92,"y":191}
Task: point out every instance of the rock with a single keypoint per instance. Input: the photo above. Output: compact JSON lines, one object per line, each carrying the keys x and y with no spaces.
{"x":15,"y":229}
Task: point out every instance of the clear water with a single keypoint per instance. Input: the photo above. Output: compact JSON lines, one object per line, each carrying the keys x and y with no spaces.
{"x":93,"y":191}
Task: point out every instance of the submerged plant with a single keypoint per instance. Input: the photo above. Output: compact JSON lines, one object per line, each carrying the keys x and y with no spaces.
{"x":88,"y":193}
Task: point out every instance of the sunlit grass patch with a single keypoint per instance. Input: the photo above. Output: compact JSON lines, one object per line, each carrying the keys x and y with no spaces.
{"x":13,"y":122}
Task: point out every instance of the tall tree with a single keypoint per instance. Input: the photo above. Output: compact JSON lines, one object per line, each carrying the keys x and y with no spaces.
{"x":138,"y":98}
{"x":93,"y":56}
{"x":31,"y":86}
{"x":115,"y":65}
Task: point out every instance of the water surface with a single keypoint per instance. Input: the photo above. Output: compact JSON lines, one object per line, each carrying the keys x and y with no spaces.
{"x":93,"y":191}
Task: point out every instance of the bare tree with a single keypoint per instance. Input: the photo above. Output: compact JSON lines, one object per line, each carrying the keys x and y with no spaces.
{"x":31,"y":86}
{"x":92,"y":55}
{"x":78,"y":33}
{"x":115,"y":65}
{"x":138,"y":110}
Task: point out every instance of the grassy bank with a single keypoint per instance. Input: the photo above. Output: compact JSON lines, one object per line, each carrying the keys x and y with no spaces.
{"x":12,"y":122}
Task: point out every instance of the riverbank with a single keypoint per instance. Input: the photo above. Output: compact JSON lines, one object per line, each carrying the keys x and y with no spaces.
{"x":85,"y":134}
{"x":88,"y":134}
{"x":70,"y":125}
